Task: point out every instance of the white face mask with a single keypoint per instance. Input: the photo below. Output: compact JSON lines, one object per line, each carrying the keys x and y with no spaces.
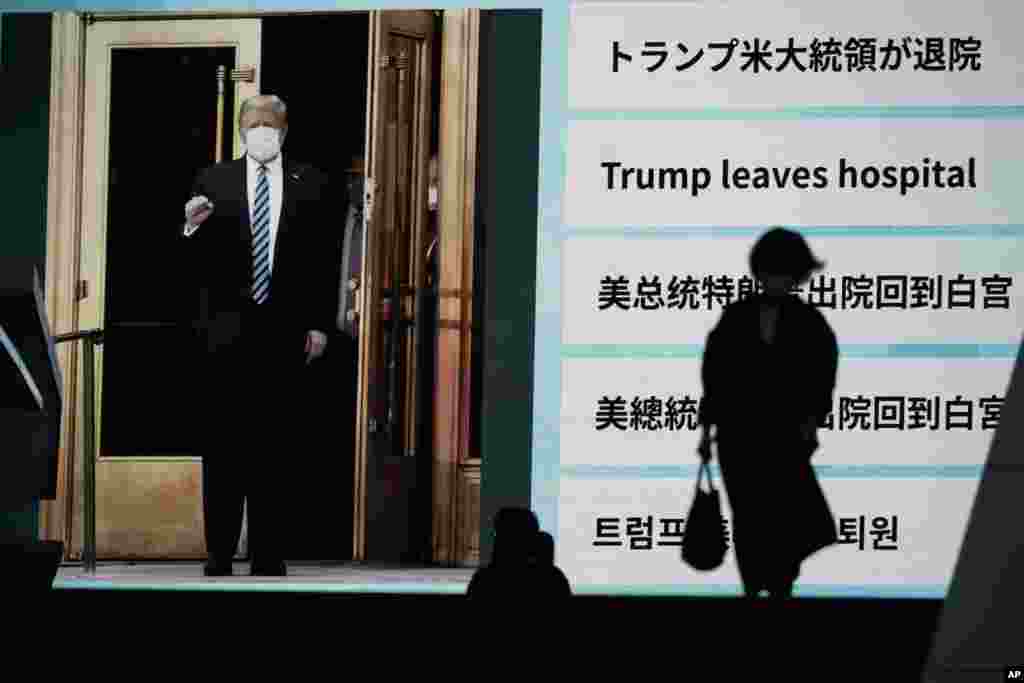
{"x":263,"y":143}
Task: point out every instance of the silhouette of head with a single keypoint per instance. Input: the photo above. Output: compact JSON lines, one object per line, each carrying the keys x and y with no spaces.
{"x":515,"y":533}
{"x":782,"y":259}
{"x":545,"y":548}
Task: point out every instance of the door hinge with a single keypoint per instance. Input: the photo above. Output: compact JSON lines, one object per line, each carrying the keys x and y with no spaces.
{"x":400,"y":61}
{"x":371,"y":190}
{"x":82,"y":290}
{"x":245,"y":74}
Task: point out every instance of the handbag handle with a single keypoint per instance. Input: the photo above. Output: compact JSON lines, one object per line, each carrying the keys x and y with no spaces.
{"x":705,"y":468}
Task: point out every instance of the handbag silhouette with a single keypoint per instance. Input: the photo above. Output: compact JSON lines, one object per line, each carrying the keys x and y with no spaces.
{"x":705,"y":536}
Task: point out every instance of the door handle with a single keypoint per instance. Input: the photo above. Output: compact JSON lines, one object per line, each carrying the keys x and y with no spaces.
{"x":218,"y":152}
{"x":352,"y":315}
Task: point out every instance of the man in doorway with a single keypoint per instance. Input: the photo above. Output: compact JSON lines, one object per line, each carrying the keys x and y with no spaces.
{"x":260,"y":239}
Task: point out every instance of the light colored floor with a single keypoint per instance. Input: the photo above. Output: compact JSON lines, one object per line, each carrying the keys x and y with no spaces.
{"x":301,"y":578}
{"x":359,"y":578}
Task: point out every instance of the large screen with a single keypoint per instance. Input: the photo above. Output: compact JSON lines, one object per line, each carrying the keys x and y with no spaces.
{"x":890,"y":134}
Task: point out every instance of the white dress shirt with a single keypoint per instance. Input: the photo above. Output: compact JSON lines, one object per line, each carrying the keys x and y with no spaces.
{"x":275,"y":174}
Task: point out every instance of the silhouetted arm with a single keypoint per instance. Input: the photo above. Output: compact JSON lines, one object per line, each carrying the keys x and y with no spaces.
{"x":474,"y":590}
{"x":564,"y":587}
{"x":829,"y":371}
{"x":710,"y":375}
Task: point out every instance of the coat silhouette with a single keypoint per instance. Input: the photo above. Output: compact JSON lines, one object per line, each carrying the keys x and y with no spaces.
{"x":522,"y":567}
{"x":770,"y":368}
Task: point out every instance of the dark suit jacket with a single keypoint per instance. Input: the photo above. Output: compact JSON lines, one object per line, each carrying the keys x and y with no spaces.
{"x":306,"y":265}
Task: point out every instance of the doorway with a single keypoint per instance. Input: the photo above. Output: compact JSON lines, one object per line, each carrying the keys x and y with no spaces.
{"x":326,"y":86}
{"x":363,"y":96}
{"x":317,"y":64}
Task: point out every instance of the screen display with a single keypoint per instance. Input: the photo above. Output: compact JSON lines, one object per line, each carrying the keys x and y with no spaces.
{"x":888,"y":134}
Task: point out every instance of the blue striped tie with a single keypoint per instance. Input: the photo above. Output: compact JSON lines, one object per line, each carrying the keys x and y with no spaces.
{"x":261,"y":239}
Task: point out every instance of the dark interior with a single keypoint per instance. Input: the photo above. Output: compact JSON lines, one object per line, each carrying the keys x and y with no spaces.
{"x":155,"y":151}
{"x":317,"y":64}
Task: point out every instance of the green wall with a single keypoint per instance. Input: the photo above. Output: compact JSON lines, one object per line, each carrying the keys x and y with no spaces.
{"x":24,"y":158}
{"x":507,"y":212}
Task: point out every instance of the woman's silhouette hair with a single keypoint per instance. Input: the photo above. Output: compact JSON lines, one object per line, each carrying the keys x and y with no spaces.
{"x":783,"y":252}
{"x":515,"y":534}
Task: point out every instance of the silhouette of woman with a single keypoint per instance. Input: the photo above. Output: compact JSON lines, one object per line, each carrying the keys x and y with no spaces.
{"x":769,"y":371}
{"x":519,"y":569}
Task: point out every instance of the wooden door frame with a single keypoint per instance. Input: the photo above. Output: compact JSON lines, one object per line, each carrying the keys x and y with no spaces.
{"x":455,"y":524}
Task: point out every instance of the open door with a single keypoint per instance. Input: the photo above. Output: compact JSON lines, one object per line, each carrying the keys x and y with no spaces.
{"x":389,"y":505}
{"x":185,"y":79}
